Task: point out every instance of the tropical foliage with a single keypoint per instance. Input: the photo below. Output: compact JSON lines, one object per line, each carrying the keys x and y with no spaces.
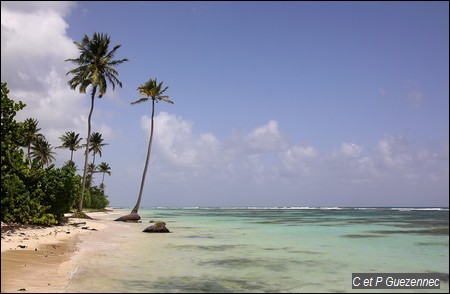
{"x":71,"y":141}
{"x":42,"y":151}
{"x":95,"y":69}
{"x":96,"y":143}
{"x":31,"y":134}
{"x":104,"y":168}
{"x":32,"y":194}
{"x":34,"y":190}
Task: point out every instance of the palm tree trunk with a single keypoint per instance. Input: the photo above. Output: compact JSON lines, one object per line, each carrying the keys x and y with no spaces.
{"x":138,"y":203}
{"x":71,"y":155}
{"x":80,"y":205}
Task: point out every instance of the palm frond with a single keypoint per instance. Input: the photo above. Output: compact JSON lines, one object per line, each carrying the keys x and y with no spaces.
{"x":95,"y":64}
{"x":140,"y":100}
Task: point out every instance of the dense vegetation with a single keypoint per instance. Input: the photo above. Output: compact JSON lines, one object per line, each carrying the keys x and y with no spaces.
{"x":33,"y":190}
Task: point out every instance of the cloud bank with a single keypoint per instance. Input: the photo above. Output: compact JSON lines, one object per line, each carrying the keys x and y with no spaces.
{"x":267,"y":159}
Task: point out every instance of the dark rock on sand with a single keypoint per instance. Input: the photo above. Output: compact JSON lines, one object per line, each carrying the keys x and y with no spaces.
{"x":157,"y":227}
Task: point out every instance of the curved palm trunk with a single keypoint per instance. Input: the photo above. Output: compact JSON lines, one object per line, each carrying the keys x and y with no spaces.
{"x":71,"y":155}
{"x":133,"y":216}
{"x":80,"y":205}
{"x":138,"y":203}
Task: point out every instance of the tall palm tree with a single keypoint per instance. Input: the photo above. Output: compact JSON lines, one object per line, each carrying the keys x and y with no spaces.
{"x":42,"y":151}
{"x":70,"y":141}
{"x":95,"y":68}
{"x":31,"y":132}
{"x":105,"y":169}
{"x":154,"y":92}
{"x":96,"y":143}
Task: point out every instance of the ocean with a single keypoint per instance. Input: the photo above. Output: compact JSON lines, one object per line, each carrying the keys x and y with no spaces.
{"x":296,"y":249}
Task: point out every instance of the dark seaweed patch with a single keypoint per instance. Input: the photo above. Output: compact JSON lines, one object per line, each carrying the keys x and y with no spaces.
{"x":275,"y":248}
{"x":431,"y":244}
{"x":359,"y":236}
{"x":206,"y":284}
{"x":199,"y":237}
{"x":245,"y":263}
{"x":433,"y":231}
{"x":207,"y":247}
{"x":304,"y":252}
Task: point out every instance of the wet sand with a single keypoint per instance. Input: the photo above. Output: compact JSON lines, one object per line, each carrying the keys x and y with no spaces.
{"x":42,"y":259}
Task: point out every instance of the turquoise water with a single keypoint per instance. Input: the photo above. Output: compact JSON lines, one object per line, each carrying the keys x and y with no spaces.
{"x":264,"y":250}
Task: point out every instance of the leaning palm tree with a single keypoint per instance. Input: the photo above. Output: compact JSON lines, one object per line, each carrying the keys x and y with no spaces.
{"x":41,"y":150}
{"x":31,"y":134}
{"x":153,"y":91}
{"x":105,"y":169}
{"x":96,"y":68}
{"x":70,"y":141}
{"x":96,"y":143}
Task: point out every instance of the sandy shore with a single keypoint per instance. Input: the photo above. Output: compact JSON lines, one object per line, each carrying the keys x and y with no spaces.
{"x":42,"y":259}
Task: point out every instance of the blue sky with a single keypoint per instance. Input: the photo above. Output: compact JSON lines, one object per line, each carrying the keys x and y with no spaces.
{"x":276,"y":103}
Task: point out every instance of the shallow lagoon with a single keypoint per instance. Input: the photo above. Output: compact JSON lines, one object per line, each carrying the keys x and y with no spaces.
{"x":265,"y":250}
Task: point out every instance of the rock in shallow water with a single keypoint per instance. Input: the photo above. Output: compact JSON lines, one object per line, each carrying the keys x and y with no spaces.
{"x":157,"y":227}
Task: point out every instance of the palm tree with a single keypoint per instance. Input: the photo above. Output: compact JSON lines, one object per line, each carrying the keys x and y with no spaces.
{"x":153,"y":91}
{"x":70,"y":141}
{"x":71,"y":164}
{"x":96,"y":143}
{"x":42,"y":151}
{"x":31,"y":134}
{"x":90,"y":175}
{"x":96,"y":68}
{"x":105,"y":169}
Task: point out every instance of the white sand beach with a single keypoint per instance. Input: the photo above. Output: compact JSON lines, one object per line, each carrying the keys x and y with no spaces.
{"x":43,"y":259}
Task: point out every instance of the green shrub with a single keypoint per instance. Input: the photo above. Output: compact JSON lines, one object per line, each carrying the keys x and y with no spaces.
{"x":60,"y":187}
{"x":30,"y":194}
{"x":98,"y":198}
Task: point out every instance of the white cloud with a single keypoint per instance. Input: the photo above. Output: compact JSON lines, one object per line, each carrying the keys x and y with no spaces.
{"x":265,"y":138}
{"x":34,"y":45}
{"x":189,"y":158}
{"x":175,"y":141}
{"x":350,"y":149}
{"x":393,"y":153}
{"x":297,"y":160}
{"x":61,"y":7}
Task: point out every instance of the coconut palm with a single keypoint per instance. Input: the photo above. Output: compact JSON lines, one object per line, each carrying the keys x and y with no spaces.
{"x":105,"y":169}
{"x":70,"y":141}
{"x":90,"y":175}
{"x":41,"y":150}
{"x":71,"y":164}
{"x":31,"y":134}
{"x":154,"y":92}
{"x":96,"y":144}
{"x":95,"y":68}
